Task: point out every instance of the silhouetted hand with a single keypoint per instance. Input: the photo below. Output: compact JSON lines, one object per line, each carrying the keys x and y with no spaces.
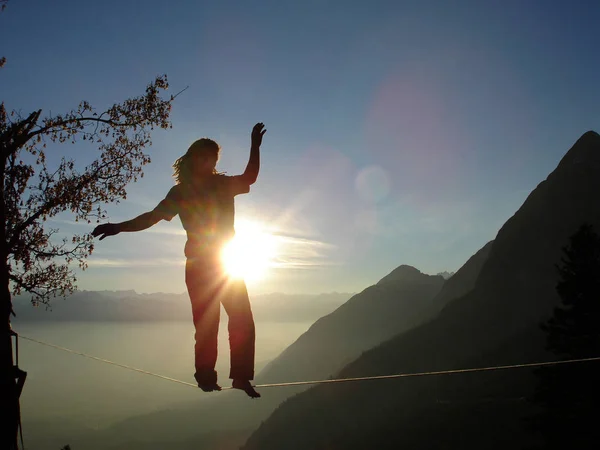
{"x":257,"y":134}
{"x":106,"y":229}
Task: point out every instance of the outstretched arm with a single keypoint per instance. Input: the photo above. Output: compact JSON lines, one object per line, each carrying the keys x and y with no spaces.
{"x":166,"y":210}
{"x":251,"y":173}
{"x":139,"y":223}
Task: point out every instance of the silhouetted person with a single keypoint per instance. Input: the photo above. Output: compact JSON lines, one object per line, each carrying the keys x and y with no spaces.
{"x":204,"y":200}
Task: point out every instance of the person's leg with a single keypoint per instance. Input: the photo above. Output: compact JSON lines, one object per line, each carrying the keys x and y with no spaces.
{"x":241,"y":334}
{"x":203,"y":291}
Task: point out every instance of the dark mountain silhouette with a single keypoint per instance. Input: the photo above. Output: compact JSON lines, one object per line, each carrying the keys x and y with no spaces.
{"x":495,"y":323}
{"x":463,"y":281}
{"x":399,"y":301}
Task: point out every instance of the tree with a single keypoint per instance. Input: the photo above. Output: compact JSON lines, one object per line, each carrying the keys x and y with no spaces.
{"x":33,"y":191}
{"x":568,"y":394}
{"x":37,"y":184}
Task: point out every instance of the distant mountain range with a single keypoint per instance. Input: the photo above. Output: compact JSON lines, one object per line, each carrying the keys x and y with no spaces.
{"x":492,"y":319}
{"x":131,"y":306}
{"x":445,"y":274}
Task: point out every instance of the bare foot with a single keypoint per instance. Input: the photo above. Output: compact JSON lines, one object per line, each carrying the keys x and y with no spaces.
{"x":245,"y":386}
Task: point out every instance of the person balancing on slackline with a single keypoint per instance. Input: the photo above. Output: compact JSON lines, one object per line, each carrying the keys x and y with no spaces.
{"x":204,"y":200}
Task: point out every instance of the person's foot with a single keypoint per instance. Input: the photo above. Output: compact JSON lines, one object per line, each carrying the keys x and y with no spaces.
{"x":245,"y":386}
{"x":209,"y":387}
{"x":207,"y":380}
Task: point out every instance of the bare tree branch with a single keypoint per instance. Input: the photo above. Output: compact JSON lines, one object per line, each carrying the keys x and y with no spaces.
{"x":34,"y":188}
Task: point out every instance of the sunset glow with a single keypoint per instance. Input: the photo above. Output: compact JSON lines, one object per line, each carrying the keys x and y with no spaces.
{"x":250,"y":252}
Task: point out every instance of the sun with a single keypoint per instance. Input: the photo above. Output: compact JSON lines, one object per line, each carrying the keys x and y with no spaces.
{"x":249,"y":254}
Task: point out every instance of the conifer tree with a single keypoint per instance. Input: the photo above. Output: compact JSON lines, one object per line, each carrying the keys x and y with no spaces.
{"x":568,"y":394}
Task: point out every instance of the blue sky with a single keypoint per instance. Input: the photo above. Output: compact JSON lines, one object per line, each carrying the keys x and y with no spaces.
{"x":398,"y":132}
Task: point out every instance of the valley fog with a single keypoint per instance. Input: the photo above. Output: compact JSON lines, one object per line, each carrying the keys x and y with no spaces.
{"x":88,"y":394}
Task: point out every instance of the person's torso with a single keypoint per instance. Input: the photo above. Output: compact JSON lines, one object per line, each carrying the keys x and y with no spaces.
{"x":207,"y":214}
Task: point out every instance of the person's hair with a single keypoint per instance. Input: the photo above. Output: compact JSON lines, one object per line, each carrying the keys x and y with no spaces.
{"x":182,"y":169}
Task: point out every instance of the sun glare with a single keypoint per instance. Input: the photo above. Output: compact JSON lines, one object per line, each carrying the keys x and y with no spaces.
{"x":249,"y":253}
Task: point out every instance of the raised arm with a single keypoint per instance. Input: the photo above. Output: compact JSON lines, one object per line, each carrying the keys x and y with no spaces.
{"x":251,"y":173}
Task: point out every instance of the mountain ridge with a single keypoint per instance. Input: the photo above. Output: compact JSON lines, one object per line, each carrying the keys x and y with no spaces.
{"x":495,"y":322}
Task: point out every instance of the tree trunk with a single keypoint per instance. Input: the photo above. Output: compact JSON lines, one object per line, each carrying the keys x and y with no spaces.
{"x":9,"y":397}
{"x":9,"y":411}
